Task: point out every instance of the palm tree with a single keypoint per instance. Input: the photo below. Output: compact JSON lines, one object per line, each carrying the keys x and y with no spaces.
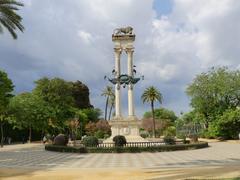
{"x":150,"y":95}
{"x":9,"y":18}
{"x":108,"y":93}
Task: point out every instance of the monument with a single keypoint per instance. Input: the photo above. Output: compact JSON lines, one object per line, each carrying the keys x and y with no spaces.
{"x":123,"y":39}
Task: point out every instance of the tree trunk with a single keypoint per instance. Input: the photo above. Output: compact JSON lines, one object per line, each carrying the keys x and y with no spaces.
{"x":2,"y":135}
{"x":110,"y":112}
{"x":206,"y":120}
{"x":43,"y":134}
{"x":30,"y":134}
{"x":153,"y":117}
{"x":81,"y":128}
{"x":206,"y":125}
{"x":106,"y":109}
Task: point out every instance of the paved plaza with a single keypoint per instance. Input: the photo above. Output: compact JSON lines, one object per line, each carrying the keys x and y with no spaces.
{"x":35,"y":156}
{"x":219,"y":154}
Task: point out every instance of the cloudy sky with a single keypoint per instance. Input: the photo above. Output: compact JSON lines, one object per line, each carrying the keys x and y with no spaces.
{"x":175,"y":40}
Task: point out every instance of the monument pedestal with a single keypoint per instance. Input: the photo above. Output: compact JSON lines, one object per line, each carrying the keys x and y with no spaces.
{"x":128,"y":127}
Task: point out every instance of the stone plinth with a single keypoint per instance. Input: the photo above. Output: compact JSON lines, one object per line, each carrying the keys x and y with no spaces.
{"x":128,"y":127}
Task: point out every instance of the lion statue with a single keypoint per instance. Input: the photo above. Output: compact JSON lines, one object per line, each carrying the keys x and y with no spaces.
{"x":123,"y":31}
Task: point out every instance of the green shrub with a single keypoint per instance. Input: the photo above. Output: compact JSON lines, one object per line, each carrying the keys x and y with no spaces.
{"x":119,"y":140}
{"x":90,"y":141}
{"x":57,"y":148}
{"x":181,"y":135}
{"x":99,"y":134}
{"x":209,"y":134}
{"x":144,"y":134}
{"x":169,"y":140}
{"x":170,"y":131}
{"x":193,"y":138}
{"x":186,"y":141}
{"x":106,"y":136}
{"x":228,"y":125}
{"x":60,"y":140}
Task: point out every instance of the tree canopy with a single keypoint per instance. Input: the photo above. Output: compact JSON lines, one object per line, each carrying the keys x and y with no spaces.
{"x":162,"y":113}
{"x":30,"y":112}
{"x":80,"y":93}
{"x":6,"y":88}
{"x":51,"y":107}
{"x":214,"y":93}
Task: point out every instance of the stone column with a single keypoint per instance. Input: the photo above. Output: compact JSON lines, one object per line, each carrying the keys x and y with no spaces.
{"x":117,"y":86}
{"x":130,"y":86}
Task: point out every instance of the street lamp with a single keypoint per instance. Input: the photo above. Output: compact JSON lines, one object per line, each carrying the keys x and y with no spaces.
{"x":124,"y":79}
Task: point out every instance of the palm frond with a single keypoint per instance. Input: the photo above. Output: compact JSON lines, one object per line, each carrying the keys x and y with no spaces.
{"x":151,"y":94}
{"x":108,"y":92}
{"x":10,"y":2}
{"x":9,"y":18}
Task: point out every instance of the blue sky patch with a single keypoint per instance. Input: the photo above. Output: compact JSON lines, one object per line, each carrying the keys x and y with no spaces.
{"x":163,"y":7}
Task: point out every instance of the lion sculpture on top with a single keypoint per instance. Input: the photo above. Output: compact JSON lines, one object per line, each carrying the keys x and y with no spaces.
{"x":123,"y":31}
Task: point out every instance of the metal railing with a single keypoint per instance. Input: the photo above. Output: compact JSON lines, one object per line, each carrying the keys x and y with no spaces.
{"x":135,"y":144}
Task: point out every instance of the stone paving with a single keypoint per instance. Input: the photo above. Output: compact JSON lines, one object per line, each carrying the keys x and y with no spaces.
{"x":30,"y":161}
{"x":218,"y":154}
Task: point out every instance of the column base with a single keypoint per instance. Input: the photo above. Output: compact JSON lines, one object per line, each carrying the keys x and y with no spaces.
{"x":128,"y":127}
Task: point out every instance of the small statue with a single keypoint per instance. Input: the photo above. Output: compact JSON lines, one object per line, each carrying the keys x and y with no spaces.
{"x":123,"y":31}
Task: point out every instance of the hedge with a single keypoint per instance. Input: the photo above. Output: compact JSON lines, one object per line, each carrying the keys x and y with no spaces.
{"x":51,"y":147}
{"x":126,"y":149}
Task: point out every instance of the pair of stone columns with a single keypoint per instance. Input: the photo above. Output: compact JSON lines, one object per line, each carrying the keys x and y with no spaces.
{"x":118,"y":52}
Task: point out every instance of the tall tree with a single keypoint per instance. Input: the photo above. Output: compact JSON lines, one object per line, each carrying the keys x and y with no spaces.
{"x":215,"y":91}
{"x":108,"y":93}
{"x":6,"y":88}
{"x":57,"y":93}
{"x":80,"y":93}
{"x":151,"y":94}
{"x":30,"y":112}
{"x":9,"y":18}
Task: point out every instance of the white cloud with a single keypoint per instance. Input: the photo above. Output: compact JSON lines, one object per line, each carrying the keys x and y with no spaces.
{"x":217,"y":31}
{"x":72,"y":39}
{"x":85,"y":36}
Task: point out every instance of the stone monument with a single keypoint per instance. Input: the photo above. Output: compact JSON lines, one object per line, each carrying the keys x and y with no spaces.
{"x":123,"y":39}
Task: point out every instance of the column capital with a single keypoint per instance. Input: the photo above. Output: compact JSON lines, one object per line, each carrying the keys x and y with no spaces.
{"x":117,"y":50}
{"x":129,"y":50}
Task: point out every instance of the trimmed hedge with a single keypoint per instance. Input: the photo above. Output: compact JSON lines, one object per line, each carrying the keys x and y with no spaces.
{"x":120,"y":140}
{"x":51,"y":147}
{"x":60,"y":140}
{"x":90,"y":141}
{"x":169,"y":140}
{"x":148,"y":149}
{"x":126,"y":149}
